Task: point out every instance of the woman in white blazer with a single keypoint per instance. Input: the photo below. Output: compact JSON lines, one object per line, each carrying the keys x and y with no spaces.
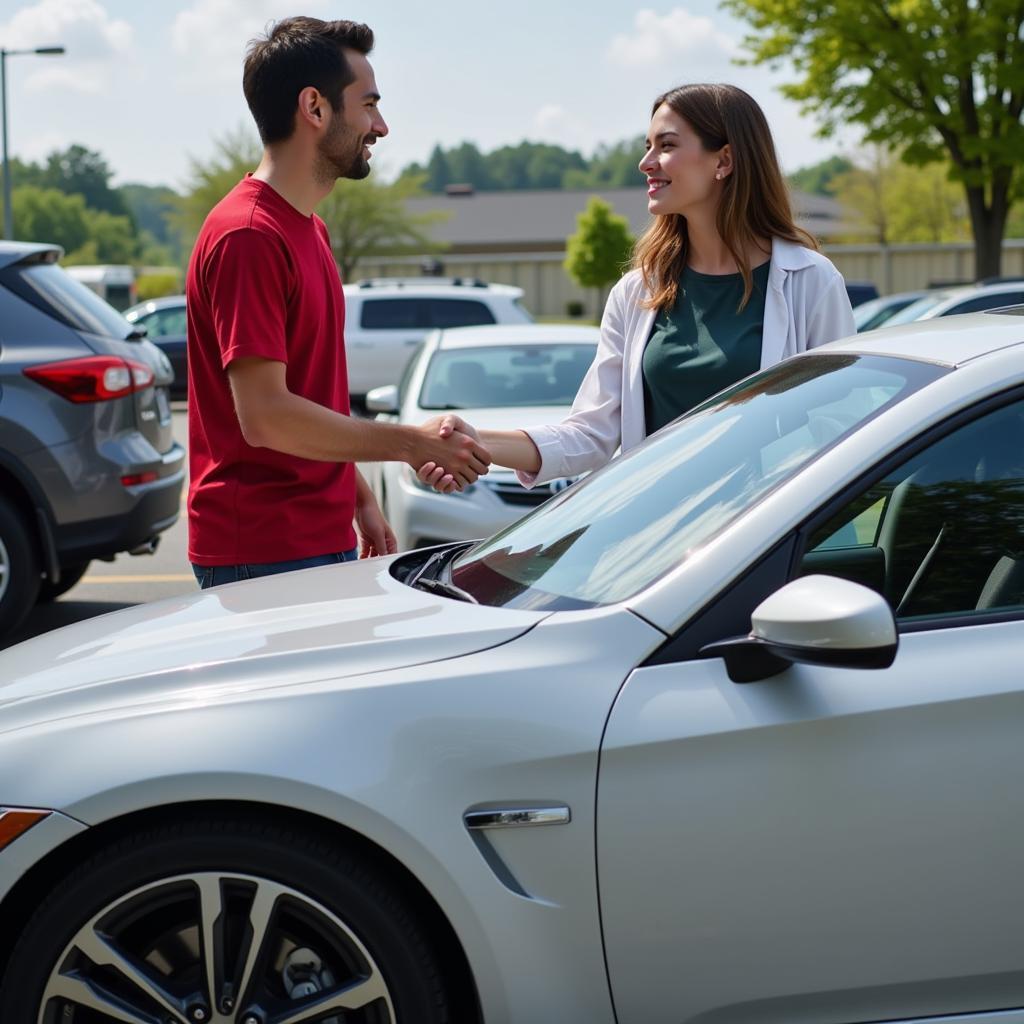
{"x":723,"y":283}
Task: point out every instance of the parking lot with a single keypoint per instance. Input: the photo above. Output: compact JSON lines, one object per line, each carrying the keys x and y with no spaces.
{"x":127,"y":580}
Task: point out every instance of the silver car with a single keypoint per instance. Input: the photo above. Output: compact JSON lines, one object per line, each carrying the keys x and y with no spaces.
{"x":497,"y":378}
{"x":728,"y":732}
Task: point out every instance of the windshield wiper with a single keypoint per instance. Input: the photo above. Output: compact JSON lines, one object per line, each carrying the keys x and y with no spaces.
{"x":448,"y":589}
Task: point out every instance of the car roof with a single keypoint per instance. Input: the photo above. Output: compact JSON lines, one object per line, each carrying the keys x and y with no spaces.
{"x":15,"y":252}
{"x":152,"y":305}
{"x":518,"y":334}
{"x":462,"y":287}
{"x":951,"y":340}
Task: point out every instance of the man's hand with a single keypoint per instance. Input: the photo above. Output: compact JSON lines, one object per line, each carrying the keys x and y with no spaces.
{"x":453,"y":450}
{"x":437,"y":476}
{"x":375,"y":535}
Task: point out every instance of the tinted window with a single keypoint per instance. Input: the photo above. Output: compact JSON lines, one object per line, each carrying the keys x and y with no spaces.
{"x":164,"y":323}
{"x":648,"y":511}
{"x":392,"y":314}
{"x":49,"y":288}
{"x":505,"y":375}
{"x":457,"y":313}
{"x":986,"y":302}
{"x":944,"y":533}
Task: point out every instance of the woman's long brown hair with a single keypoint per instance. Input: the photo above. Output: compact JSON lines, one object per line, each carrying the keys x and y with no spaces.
{"x":755,"y":200}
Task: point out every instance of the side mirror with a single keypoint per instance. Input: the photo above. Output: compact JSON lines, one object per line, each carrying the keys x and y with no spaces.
{"x":814,"y":620}
{"x":383,"y":399}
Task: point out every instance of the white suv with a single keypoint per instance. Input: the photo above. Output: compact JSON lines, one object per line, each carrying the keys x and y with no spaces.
{"x":386,"y":318}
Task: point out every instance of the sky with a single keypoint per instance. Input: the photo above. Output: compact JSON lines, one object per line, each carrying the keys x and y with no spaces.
{"x":152,"y":84}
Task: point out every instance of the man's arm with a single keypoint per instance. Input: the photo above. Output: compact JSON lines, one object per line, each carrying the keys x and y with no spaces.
{"x":273,"y":417}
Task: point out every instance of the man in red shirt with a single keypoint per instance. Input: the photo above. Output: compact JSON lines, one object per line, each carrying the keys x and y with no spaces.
{"x":272,"y":446}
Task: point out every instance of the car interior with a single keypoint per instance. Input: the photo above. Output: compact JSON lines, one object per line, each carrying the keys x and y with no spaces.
{"x":943,"y":534}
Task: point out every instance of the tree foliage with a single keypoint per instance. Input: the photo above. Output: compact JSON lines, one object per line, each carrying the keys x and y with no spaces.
{"x":369,"y":219}
{"x":819,"y":178}
{"x":932,"y":79}
{"x":894,"y":202}
{"x":599,"y":250}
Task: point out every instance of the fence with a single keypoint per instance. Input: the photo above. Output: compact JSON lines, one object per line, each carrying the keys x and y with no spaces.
{"x":548,"y":289}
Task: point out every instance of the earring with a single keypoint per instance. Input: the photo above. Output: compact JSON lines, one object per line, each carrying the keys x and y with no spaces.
{"x":718,"y":177}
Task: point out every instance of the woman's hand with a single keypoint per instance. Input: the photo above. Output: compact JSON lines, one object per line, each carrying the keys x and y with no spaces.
{"x":433,"y":475}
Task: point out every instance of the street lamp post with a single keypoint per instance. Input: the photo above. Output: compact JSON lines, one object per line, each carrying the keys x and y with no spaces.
{"x":4,"y":54}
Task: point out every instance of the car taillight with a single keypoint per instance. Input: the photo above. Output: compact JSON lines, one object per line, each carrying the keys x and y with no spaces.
{"x":92,"y":379}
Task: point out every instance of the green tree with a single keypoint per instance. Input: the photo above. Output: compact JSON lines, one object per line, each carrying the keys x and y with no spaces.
{"x":894,"y":202}
{"x":81,"y":171}
{"x":931,"y":78}
{"x":111,"y":240}
{"x":438,"y":172}
{"x":599,"y":250}
{"x":369,"y":219}
{"x":210,"y":181}
{"x":154,"y":209}
{"x":612,"y":166}
{"x":48,"y":215}
{"x":819,"y":178}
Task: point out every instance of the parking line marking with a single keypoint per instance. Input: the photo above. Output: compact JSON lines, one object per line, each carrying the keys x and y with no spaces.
{"x":156,"y":578}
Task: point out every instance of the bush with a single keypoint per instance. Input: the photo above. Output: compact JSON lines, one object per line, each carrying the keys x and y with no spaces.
{"x":155,"y":286}
{"x":574,"y":309}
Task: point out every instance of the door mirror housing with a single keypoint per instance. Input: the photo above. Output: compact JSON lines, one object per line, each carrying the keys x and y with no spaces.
{"x":383,"y":399}
{"x":814,"y":620}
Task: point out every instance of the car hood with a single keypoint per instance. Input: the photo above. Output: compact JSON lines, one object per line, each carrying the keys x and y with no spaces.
{"x":300,"y":627}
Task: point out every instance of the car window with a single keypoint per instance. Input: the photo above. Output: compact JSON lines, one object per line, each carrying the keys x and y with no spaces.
{"x":943,"y":534}
{"x":446,"y":313}
{"x":392,"y":314}
{"x":164,"y":323}
{"x":981,"y":302}
{"x":915,"y":310}
{"x":50,"y":288}
{"x":505,"y":375}
{"x":648,"y":511}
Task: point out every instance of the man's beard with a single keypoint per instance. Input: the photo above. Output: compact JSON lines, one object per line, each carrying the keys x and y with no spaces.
{"x":341,"y":154}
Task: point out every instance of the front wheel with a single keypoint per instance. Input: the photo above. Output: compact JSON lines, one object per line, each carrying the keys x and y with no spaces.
{"x":213,"y":922}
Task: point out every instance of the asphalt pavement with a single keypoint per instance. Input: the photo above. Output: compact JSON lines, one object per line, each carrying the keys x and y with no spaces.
{"x":125,"y":581}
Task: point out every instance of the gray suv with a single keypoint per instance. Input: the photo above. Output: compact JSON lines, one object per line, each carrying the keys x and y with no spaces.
{"x":88,"y":464}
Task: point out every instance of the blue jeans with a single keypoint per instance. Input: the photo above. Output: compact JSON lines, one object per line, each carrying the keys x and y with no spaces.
{"x":214,"y":575}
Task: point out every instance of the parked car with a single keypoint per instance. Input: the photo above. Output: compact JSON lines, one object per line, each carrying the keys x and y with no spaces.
{"x":386,"y":318}
{"x":877,"y":312}
{"x":499,"y":378}
{"x":860,"y":292}
{"x":165,"y":322}
{"x":88,"y":464}
{"x":952,"y":301}
{"x":728,"y":731}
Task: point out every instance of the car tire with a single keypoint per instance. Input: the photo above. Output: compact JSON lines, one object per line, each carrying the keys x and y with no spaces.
{"x":302,"y":918}
{"x":69,"y":576}
{"x":19,"y":568}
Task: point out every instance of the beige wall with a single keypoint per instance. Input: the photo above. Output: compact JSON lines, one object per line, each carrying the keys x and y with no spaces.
{"x":547,"y":287}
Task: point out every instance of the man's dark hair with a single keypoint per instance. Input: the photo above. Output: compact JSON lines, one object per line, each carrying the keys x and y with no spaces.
{"x":296,"y":53}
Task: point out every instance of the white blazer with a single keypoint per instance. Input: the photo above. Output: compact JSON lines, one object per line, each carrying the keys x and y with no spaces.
{"x":806,"y":306}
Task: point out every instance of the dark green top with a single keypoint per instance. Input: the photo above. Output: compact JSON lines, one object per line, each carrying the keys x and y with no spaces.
{"x":702,"y":345}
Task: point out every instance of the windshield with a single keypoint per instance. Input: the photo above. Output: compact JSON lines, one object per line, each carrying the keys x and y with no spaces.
{"x":880,"y":311}
{"x":499,"y":376}
{"x":916,"y":310}
{"x":619,"y":530}
{"x":50,"y":288}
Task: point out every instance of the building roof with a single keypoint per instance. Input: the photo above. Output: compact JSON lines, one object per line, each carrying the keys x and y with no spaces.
{"x":544,"y":218}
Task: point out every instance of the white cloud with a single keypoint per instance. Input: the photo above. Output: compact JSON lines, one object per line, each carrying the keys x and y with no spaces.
{"x":83,"y":27}
{"x":90,"y":37}
{"x":214,"y":33}
{"x":656,"y":39}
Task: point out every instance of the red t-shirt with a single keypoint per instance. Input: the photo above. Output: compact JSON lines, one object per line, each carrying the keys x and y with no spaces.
{"x":262,"y":282}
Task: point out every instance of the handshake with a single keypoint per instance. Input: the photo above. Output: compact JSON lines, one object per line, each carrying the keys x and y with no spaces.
{"x":449,"y":455}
